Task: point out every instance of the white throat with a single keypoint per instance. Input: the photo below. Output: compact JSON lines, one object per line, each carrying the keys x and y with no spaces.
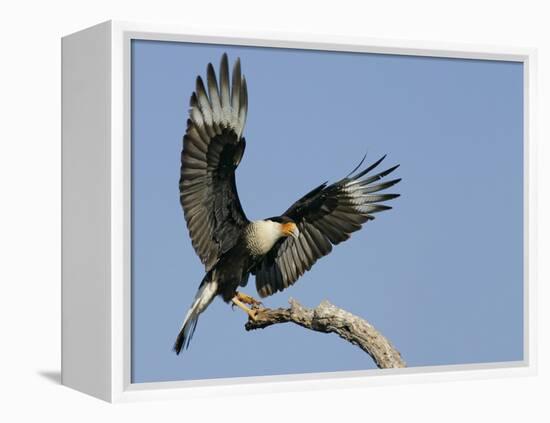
{"x":261,"y":236}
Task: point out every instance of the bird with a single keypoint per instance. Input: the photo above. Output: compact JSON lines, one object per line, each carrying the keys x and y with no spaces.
{"x":277,"y":250}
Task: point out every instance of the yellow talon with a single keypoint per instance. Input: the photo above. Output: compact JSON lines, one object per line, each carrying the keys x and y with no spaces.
{"x":247,"y":299}
{"x":236,"y":301}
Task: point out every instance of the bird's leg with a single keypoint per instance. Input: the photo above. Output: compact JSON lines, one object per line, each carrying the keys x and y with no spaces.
{"x":251,"y":313}
{"x":247,"y":299}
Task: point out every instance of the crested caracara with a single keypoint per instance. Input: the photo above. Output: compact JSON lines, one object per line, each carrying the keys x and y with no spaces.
{"x":277,"y":250}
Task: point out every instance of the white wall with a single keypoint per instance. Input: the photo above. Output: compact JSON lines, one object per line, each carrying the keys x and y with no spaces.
{"x":30,"y":206}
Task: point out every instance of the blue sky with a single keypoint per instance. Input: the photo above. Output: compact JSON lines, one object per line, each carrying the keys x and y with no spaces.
{"x":440,"y":275}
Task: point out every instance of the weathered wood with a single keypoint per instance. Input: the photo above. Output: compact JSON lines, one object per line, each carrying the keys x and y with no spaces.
{"x":328,"y":318}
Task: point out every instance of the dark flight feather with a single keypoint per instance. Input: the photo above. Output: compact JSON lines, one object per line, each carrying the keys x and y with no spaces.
{"x":212,"y":149}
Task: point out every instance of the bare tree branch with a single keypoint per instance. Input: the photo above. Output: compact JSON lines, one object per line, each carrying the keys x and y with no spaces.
{"x":328,"y":318}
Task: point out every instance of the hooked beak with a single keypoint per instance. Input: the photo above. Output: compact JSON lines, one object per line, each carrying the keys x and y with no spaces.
{"x":290,"y":229}
{"x":295,"y":232}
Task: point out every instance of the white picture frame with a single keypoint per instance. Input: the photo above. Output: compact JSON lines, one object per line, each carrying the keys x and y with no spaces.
{"x":96,"y":228}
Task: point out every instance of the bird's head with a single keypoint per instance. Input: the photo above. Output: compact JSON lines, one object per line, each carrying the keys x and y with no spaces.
{"x":290,"y":229}
{"x":287,"y":226}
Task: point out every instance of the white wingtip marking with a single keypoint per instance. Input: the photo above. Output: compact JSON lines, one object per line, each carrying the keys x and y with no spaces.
{"x":196,"y":117}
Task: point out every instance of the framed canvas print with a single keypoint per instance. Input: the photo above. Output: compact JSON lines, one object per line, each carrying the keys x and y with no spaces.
{"x":271,"y":211}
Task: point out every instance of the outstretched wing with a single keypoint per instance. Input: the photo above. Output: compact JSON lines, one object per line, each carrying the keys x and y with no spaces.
{"x":326,"y":216}
{"x":212,"y":149}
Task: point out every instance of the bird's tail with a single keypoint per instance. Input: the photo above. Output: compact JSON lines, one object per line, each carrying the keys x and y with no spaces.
{"x":206,"y":293}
